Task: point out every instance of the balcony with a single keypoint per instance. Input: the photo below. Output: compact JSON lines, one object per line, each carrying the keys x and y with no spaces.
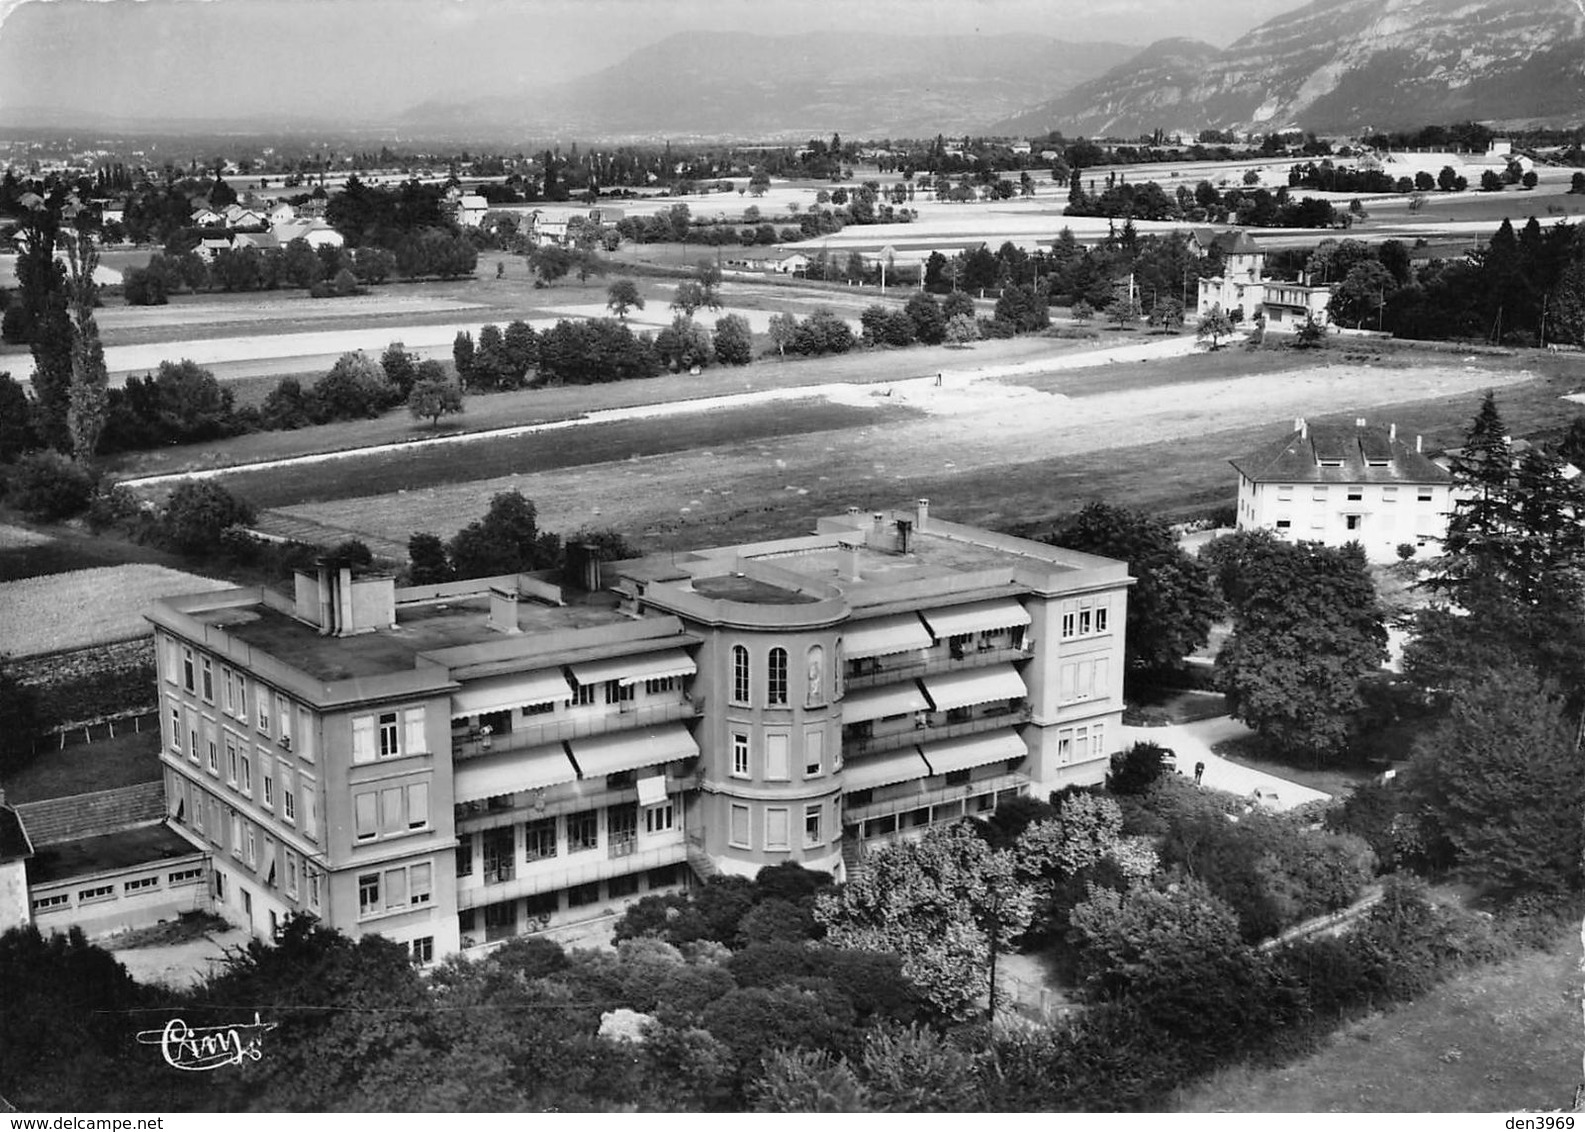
{"x":904,"y":666}
{"x":934,"y":732}
{"x":570,"y":870}
{"x":532,"y":805}
{"x":577,"y":724}
{"x":937,"y":796}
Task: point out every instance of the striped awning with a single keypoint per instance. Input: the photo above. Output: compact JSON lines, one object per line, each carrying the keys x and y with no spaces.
{"x":976,"y":617}
{"x":884,"y":770}
{"x":877,"y":703}
{"x":508,"y":772}
{"x":600,"y":755}
{"x":502,"y":693}
{"x":975,"y":686}
{"x":883,"y":636}
{"x":632,"y":669}
{"x":974,"y":750}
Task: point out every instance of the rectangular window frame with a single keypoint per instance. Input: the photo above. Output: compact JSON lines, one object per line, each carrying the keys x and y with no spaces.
{"x":740,"y":830}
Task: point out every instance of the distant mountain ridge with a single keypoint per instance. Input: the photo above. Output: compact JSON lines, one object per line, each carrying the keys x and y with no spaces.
{"x":741,"y":85}
{"x":1342,"y":66}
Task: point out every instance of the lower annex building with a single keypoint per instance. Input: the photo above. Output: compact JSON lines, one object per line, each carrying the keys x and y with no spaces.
{"x":451,"y":765}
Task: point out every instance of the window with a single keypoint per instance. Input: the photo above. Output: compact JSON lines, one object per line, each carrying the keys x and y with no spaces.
{"x":545,"y":708}
{"x":395,"y":889}
{"x":500,"y":847}
{"x":228,"y":682}
{"x":583,"y":695}
{"x":368,"y":894}
{"x":263,"y":702}
{"x":252,"y":855}
{"x":284,"y":713}
{"x":740,"y":834}
{"x":1069,"y":624}
{"x":100,"y":892}
{"x":1086,"y":621}
{"x":1355,"y":493}
{"x":1352,"y":522}
{"x":414,"y":731}
{"x":1285,"y":491}
{"x":140,"y":884}
{"x":390,"y":745}
{"x":622,"y":828}
{"x":236,"y":835}
{"x":776,"y":756}
{"x":541,"y":839}
{"x":365,"y":816}
{"x":288,"y":802}
{"x":231,"y":761}
{"x":958,"y":777}
{"x":542,"y":906}
{"x":291,"y":873}
{"x":418,"y":805}
{"x":313,"y":887}
{"x":618,"y":887}
{"x":659,"y":819}
{"x":1064,"y":747}
{"x":740,"y":675}
{"x":185,"y":876}
{"x":740,"y":755}
{"x":176,"y":729}
{"x":1100,"y":618}
{"x":424,"y":949}
{"x":814,"y":753}
{"x":245,"y":783}
{"x":658,"y":686}
{"x":304,"y":737}
{"x":1283,"y":524}
{"x":812,"y":825}
{"x":582,"y":895}
{"x":208,"y":686}
{"x":242,"y":697}
{"x":500,"y":920}
{"x":465,"y":855}
{"x":187,"y":669}
{"x":310,"y":797}
{"x":1389,"y":495}
{"x":45,"y":903}
{"x":617,"y":692}
{"x":1423,"y":495}
{"x":583,"y":831}
{"x":1319,"y":493}
{"x":776,"y":678}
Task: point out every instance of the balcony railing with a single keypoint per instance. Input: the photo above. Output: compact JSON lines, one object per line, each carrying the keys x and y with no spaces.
{"x":591,"y":721}
{"x":941,"y":795}
{"x":552,"y":801}
{"x":934,"y":732}
{"x":548,"y":875}
{"x":623,"y":845}
{"x":939,"y":659}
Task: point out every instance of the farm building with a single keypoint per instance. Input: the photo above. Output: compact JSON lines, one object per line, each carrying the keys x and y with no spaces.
{"x":453,"y":765}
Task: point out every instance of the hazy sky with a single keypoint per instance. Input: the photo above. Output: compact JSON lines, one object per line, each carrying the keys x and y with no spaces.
{"x":222,"y":58}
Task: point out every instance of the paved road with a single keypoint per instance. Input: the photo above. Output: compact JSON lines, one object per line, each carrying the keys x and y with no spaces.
{"x":1193,"y":741}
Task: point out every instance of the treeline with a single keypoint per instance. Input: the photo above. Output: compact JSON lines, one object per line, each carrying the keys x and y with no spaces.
{"x":1253,"y":207}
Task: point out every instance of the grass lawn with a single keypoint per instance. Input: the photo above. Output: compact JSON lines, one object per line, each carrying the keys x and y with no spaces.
{"x":69,"y":548}
{"x":1500,"y":1039}
{"x":1252,"y":751}
{"x":1157,"y":707}
{"x":130,"y":758}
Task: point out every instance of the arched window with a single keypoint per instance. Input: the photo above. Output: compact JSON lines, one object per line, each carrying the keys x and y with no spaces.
{"x":740,"y":682}
{"x":776,"y":678}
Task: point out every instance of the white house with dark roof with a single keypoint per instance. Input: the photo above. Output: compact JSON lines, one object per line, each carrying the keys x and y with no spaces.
{"x":1335,"y":484}
{"x":1244,"y":288}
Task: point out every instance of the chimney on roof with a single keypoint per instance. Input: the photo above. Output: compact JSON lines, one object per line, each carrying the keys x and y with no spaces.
{"x":853,"y":511}
{"x":879,"y":518}
{"x":1300,"y":427}
{"x":848,"y":561}
{"x":503,"y":609}
{"x":922,"y":515}
{"x":1359,"y":422}
{"x":1417,"y":443}
{"x":905,"y":528}
{"x":1392,"y":431}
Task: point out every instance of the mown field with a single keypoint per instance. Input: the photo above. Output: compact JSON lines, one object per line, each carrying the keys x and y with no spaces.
{"x":73,"y":610}
{"x":1502,"y":1039}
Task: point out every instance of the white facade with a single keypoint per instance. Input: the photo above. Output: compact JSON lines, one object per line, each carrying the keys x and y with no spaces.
{"x":1380,"y":517}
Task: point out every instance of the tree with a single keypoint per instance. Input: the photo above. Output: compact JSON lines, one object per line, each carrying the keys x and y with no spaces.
{"x":1215,"y":325}
{"x":946,"y":904}
{"x":1362,"y":292}
{"x":1081,"y":311}
{"x":1447,"y":180}
{"x":1577,"y":183}
{"x":462,"y":355}
{"x":734,"y":340}
{"x":16,"y":419}
{"x":1172,"y":605}
{"x":550,"y":263}
{"x":426,"y":555}
{"x":783,"y":329}
{"x":90,"y":381}
{"x":432,"y":399}
{"x":1167,"y":314}
{"x":708,"y":275}
{"x":1306,"y":628}
{"x":198,"y":512}
{"x":1491,"y":181}
{"x":622,"y":296}
{"x":1311,"y":335}
{"x":19,"y":719}
{"x":355,"y":387}
{"x":1502,"y":779}
{"x":507,"y":540}
{"x":1530,"y":180}
{"x":399,"y":367}
{"x":930,"y":326}
{"x":690,"y":297}
{"x":962,"y":329}
{"x":48,"y":486}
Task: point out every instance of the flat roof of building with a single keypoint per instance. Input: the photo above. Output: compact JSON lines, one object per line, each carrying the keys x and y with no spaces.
{"x":421,"y":627}
{"x":108,"y":852}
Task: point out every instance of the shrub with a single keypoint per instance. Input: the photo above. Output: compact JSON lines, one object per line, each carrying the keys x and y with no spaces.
{"x":822,"y":333}
{"x":734,"y":340}
{"x":47,"y":486}
{"x":197,"y":513}
{"x":355,"y":387}
{"x":1134,"y":771}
